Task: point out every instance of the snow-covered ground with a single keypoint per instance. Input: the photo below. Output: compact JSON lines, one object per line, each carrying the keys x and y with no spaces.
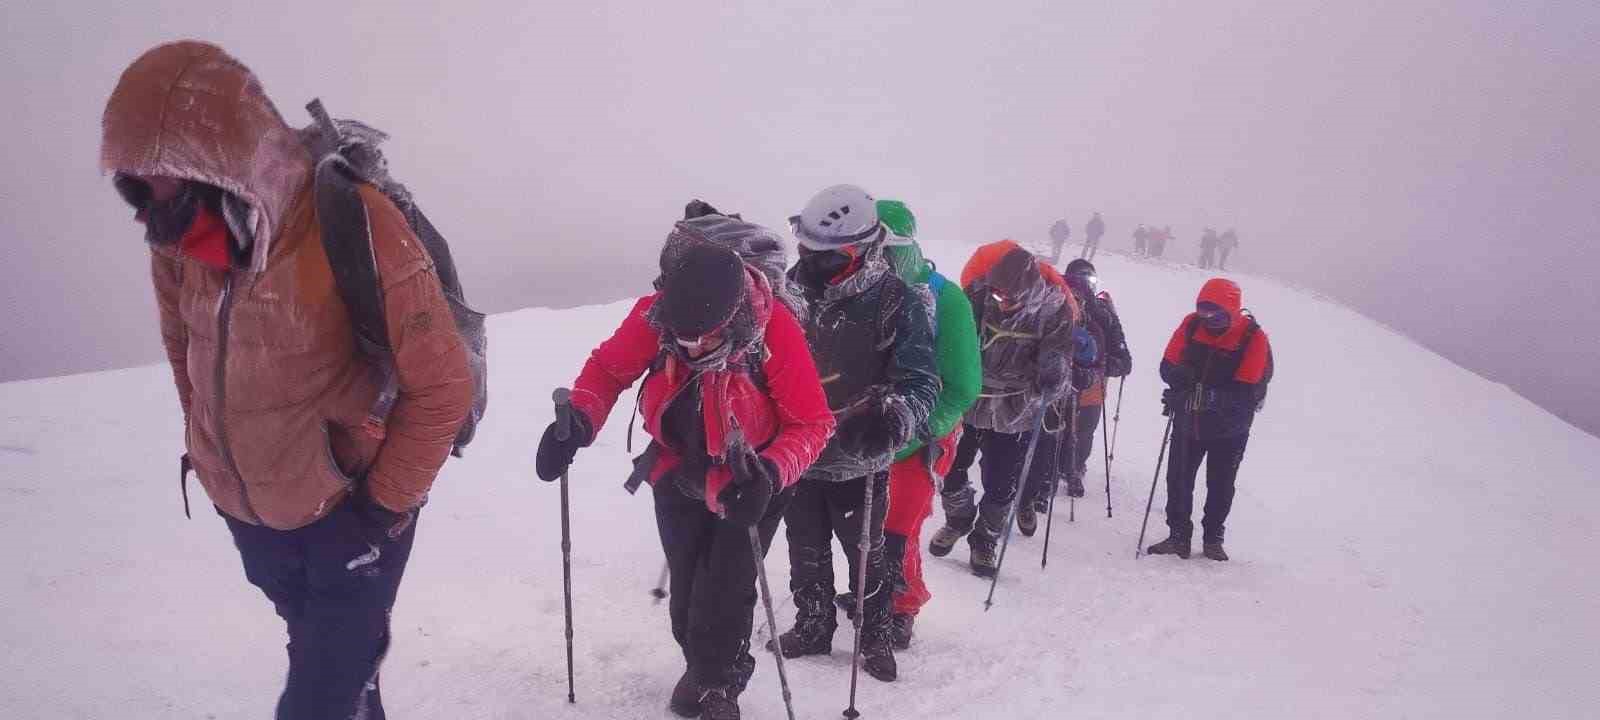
{"x":1409,"y":541}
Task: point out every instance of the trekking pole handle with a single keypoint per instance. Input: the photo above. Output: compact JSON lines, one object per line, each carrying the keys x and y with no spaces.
{"x":563,"y":400}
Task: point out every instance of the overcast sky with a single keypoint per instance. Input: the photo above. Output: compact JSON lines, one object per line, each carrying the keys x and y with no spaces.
{"x":1433,"y":164}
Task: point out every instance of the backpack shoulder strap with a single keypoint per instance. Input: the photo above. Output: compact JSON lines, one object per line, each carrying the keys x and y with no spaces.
{"x":347,"y":242}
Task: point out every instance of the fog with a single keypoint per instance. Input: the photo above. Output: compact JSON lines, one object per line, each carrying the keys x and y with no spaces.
{"x":1435,"y":167}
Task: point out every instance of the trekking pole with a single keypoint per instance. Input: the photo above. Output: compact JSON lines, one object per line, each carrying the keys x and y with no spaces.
{"x":772,"y":620}
{"x":1011,"y":515}
{"x":1105,"y":446}
{"x":736,"y":444}
{"x":1050,"y":514}
{"x":1165,"y":435}
{"x":1116,"y":420}
{"x":563,"y":401}
{"x":861,"y":593}
{"x":659,"y":592}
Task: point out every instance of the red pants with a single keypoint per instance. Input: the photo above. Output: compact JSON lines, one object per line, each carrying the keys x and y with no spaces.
{"x":911,"y":490}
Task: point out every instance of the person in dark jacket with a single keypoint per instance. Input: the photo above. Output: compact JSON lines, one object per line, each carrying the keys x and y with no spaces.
{"x":1228,"y":243}
{"x":1060,"y":232}
{"x":1208,"y":248}
{"x":1217,"y":366}
{"x":1093,"y":231}
{"x":1114,"y":361}
{"x":731,"y":399}
{"x":1141,"y":241}
{"x":1025,"y":318}
{"x":871,"y":336}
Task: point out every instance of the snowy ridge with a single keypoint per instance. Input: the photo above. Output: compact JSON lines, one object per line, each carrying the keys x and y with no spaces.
{"x":1408,"y":541}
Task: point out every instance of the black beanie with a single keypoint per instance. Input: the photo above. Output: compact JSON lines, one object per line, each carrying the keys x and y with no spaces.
{"x":702,"y":291}
{"x":1080,"y":266}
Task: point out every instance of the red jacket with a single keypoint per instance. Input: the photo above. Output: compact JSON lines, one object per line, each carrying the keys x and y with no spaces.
{"x":1253,"y":366}
{"x":790,"y":423}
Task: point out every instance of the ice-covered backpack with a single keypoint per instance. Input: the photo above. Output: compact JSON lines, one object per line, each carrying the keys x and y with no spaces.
{"x":347,"y":156}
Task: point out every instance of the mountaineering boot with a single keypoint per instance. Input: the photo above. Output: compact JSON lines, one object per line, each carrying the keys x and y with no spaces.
{"x":1213,"y":549}
{"x":985,"y":563}
{"x":985,"y":538}
{"x":1171,"y":546}
{"x":960,"y":512}
{"x":719,"y":704}
{"x":1075,"y":486}
{"x":945,"y":540}
{"x":900,"y":633}
{"x":685,"y":700}
{"x":877,"y":656}
{"x":814,"y":624}
{"x":1027,"y":519}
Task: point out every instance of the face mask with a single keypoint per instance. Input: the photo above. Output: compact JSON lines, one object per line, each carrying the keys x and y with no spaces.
{"x":165,"y":223}
{"x":1213,"y":318}
{"x":820,"y":268}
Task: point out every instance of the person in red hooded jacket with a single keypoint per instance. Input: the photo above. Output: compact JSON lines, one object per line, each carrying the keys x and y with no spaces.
{"x":736,"y":411}
{"x":1217,"y":366}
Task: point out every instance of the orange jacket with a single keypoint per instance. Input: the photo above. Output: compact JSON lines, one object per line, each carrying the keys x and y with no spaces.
{"x":273,"y":390}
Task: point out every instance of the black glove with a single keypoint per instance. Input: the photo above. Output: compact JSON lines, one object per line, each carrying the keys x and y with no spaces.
{"x":872,"y":433}
{"x":378,"y":524}
{"x":1169,"y":400}
{"x":1082,"y":378}
{"x":755,"y":479}
{"x":555,"y":455}
{"x":1181,"y":375}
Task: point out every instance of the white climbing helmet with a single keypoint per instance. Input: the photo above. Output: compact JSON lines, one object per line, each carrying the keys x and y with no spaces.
{"x":838,"y":216}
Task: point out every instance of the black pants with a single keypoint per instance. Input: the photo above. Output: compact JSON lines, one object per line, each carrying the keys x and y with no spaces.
{"x":821,"y":511}
{"x":334,"y":591}
{"x":1221,"y":456}
{"x":1003,"y":455}
{"x":713,"y":595}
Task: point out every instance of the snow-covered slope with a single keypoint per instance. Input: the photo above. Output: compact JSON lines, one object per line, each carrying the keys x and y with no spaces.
{"x":1409,"y":540}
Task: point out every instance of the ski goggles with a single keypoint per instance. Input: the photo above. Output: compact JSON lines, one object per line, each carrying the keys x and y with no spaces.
{"x":1212,"y":315}
{"x":809,"y":241}
{"x":708,"y":341}
{"x":833,"y":265}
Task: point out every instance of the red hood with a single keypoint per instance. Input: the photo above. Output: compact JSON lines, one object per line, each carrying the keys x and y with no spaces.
{"x":1223,"y":293}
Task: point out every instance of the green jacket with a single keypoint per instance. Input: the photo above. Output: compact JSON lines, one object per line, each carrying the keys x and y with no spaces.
{"x":956,"y":354}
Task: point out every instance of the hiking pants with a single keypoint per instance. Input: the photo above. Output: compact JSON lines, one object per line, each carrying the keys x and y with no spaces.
{"x":821,"y":511}
{"x":1003,"y":455}
{"x":713,"y":592}
{"x":910,"y":503}
{"x":334,"y":590}
{"x":1221,"y":456}
{"x":1083,"y":444}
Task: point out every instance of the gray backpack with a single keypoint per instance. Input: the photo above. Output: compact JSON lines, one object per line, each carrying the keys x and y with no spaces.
{"x":347,"y":156}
